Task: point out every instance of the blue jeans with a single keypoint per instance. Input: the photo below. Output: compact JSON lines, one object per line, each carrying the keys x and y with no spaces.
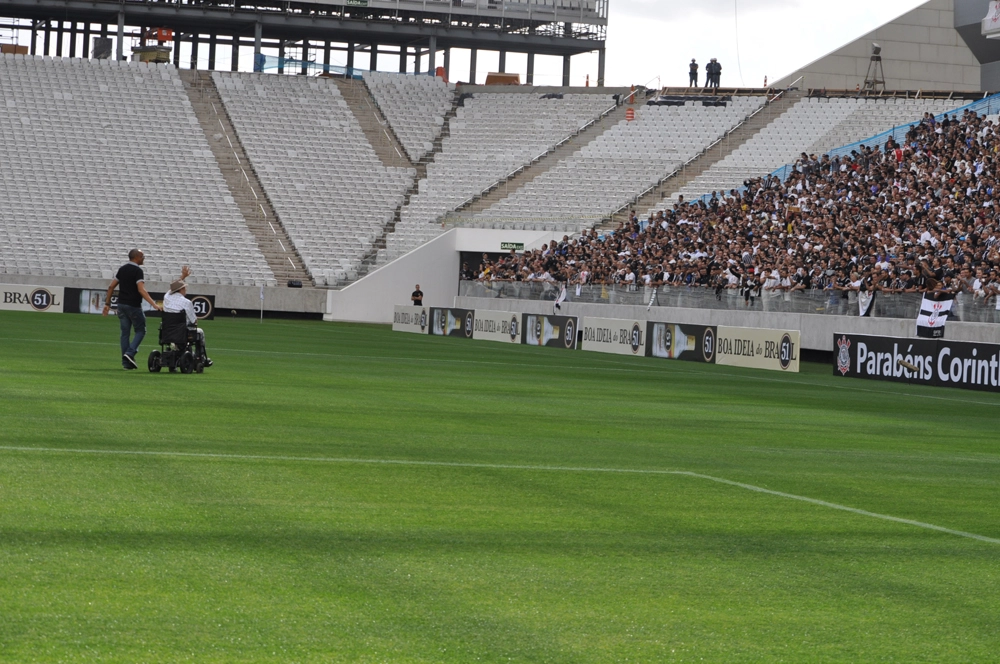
{"x":131,"y":317}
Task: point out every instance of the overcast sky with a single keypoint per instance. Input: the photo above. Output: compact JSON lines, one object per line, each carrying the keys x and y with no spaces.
{"x":657,"y":38}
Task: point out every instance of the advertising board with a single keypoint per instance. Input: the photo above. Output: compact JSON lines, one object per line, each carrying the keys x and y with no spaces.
{"x":452,"y":322}
{"x":410,"y":319}
{"x":691,"y":343}
{"x":938,"y":362}
{"x":775,"y":350}
{"x":91,"y":301}
{"x":614,"y":335}
{"x":502,"y":326}
{"x":553,"y":331}
{"x":18,"y":297}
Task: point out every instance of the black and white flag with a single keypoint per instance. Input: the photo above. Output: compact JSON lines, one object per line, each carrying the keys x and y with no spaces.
{"x":652,"y":299}
{"x":560,"y":299}
{"x":934,"y":310}
{"x":866,"y":299}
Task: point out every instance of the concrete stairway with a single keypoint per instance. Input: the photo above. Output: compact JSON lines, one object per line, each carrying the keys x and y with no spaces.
{"x":728,"y":144}
{"x":244,"y":186}
{"x":377,"y":129}
{"x":371,"y":260}
{"x":504,"y":188}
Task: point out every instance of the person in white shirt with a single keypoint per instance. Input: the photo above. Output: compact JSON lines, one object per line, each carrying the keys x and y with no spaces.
{"x":175,"y":302}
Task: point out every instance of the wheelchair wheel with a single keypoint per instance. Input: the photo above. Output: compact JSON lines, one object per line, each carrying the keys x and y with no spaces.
{"x":199,"y":367}
{"x":187,"y":362}
{"x":154,"y":362}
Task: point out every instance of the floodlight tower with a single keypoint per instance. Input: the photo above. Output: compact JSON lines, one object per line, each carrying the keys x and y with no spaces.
{"x":875,"y":78}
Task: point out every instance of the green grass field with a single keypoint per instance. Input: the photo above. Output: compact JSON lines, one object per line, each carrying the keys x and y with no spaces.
{"x":343,"y":493}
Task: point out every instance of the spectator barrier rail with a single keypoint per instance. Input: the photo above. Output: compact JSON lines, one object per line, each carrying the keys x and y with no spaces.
{"x":824,"y":302}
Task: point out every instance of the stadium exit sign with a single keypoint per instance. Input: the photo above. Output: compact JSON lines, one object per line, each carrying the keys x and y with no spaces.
{"x":507,"y":246}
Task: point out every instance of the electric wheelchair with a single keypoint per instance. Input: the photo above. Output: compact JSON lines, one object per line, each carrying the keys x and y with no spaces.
{"x":180,"y":347}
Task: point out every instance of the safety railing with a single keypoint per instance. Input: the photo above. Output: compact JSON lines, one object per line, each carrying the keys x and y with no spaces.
{"x":820,"y":302}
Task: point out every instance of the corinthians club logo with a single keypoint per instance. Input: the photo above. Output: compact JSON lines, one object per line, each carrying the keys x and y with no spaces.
{"x":933,"y":318}
{"x":843,"y":355}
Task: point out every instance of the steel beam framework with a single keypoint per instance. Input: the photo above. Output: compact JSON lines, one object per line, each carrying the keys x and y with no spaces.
{"x":275,"y":24}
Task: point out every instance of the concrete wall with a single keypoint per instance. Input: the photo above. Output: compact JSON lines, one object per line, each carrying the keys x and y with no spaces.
{"x":487,"y":240}
{"x":307,"y":300}
{"x":969,"y":16}
{"x":921,"y":50}
{"x":817,"y":331}
{"x":433,"y":265}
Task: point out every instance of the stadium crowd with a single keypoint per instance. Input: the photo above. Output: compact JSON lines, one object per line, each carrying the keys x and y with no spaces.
{"x":911,"y":217}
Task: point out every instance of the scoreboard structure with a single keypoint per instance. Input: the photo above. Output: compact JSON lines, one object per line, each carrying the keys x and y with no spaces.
{"x":413,"y":31}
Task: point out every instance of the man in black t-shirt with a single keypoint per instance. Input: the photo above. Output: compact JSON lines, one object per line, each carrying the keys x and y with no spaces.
{"x":418,"y":296}
{"x":131,"y":292}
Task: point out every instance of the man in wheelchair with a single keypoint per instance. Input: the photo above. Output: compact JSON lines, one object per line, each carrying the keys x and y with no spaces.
{"x":182,"y":342}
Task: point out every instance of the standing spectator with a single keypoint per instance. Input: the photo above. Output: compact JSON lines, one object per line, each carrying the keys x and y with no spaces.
{"x":693,"y":74}
{"x":417,"y":297}
{"x":130,"y":283}
{"x":713,"y":71}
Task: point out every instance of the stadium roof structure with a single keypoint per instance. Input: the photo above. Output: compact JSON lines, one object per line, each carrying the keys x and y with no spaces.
{"x":937,"y":46}
{"x":411,"y":27}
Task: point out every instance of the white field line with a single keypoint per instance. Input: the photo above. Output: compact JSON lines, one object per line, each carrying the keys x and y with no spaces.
{"x":851,"y":387}
{"x":500,"y":466}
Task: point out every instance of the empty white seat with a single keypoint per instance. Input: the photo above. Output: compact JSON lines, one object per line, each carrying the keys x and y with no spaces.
{"x":98,"y":157}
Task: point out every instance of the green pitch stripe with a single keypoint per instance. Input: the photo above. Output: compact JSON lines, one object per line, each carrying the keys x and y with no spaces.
{"x":499,"y":466}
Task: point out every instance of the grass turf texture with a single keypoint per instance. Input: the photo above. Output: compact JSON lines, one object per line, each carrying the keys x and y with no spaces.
{"x":148,"y":557}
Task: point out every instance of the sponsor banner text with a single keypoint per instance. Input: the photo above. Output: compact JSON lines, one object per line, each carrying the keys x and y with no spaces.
{"x":938,"y":362}
{"x":614,"y":335}
{"x":410,"y":319}
{"x":775,"y":350}
{"x":502,"y":326}
{"x":18,"y":297}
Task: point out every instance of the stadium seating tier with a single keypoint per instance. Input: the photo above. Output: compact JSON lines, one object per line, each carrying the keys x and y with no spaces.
{"x":100,"y":157}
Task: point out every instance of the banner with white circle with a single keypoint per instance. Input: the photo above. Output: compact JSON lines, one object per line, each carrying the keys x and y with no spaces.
{"x":776,"y":350}
{"x":411,"y":319}
{"x":18,"y":297}
{"x":501,"y":326}
{"x":614,"y":335}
